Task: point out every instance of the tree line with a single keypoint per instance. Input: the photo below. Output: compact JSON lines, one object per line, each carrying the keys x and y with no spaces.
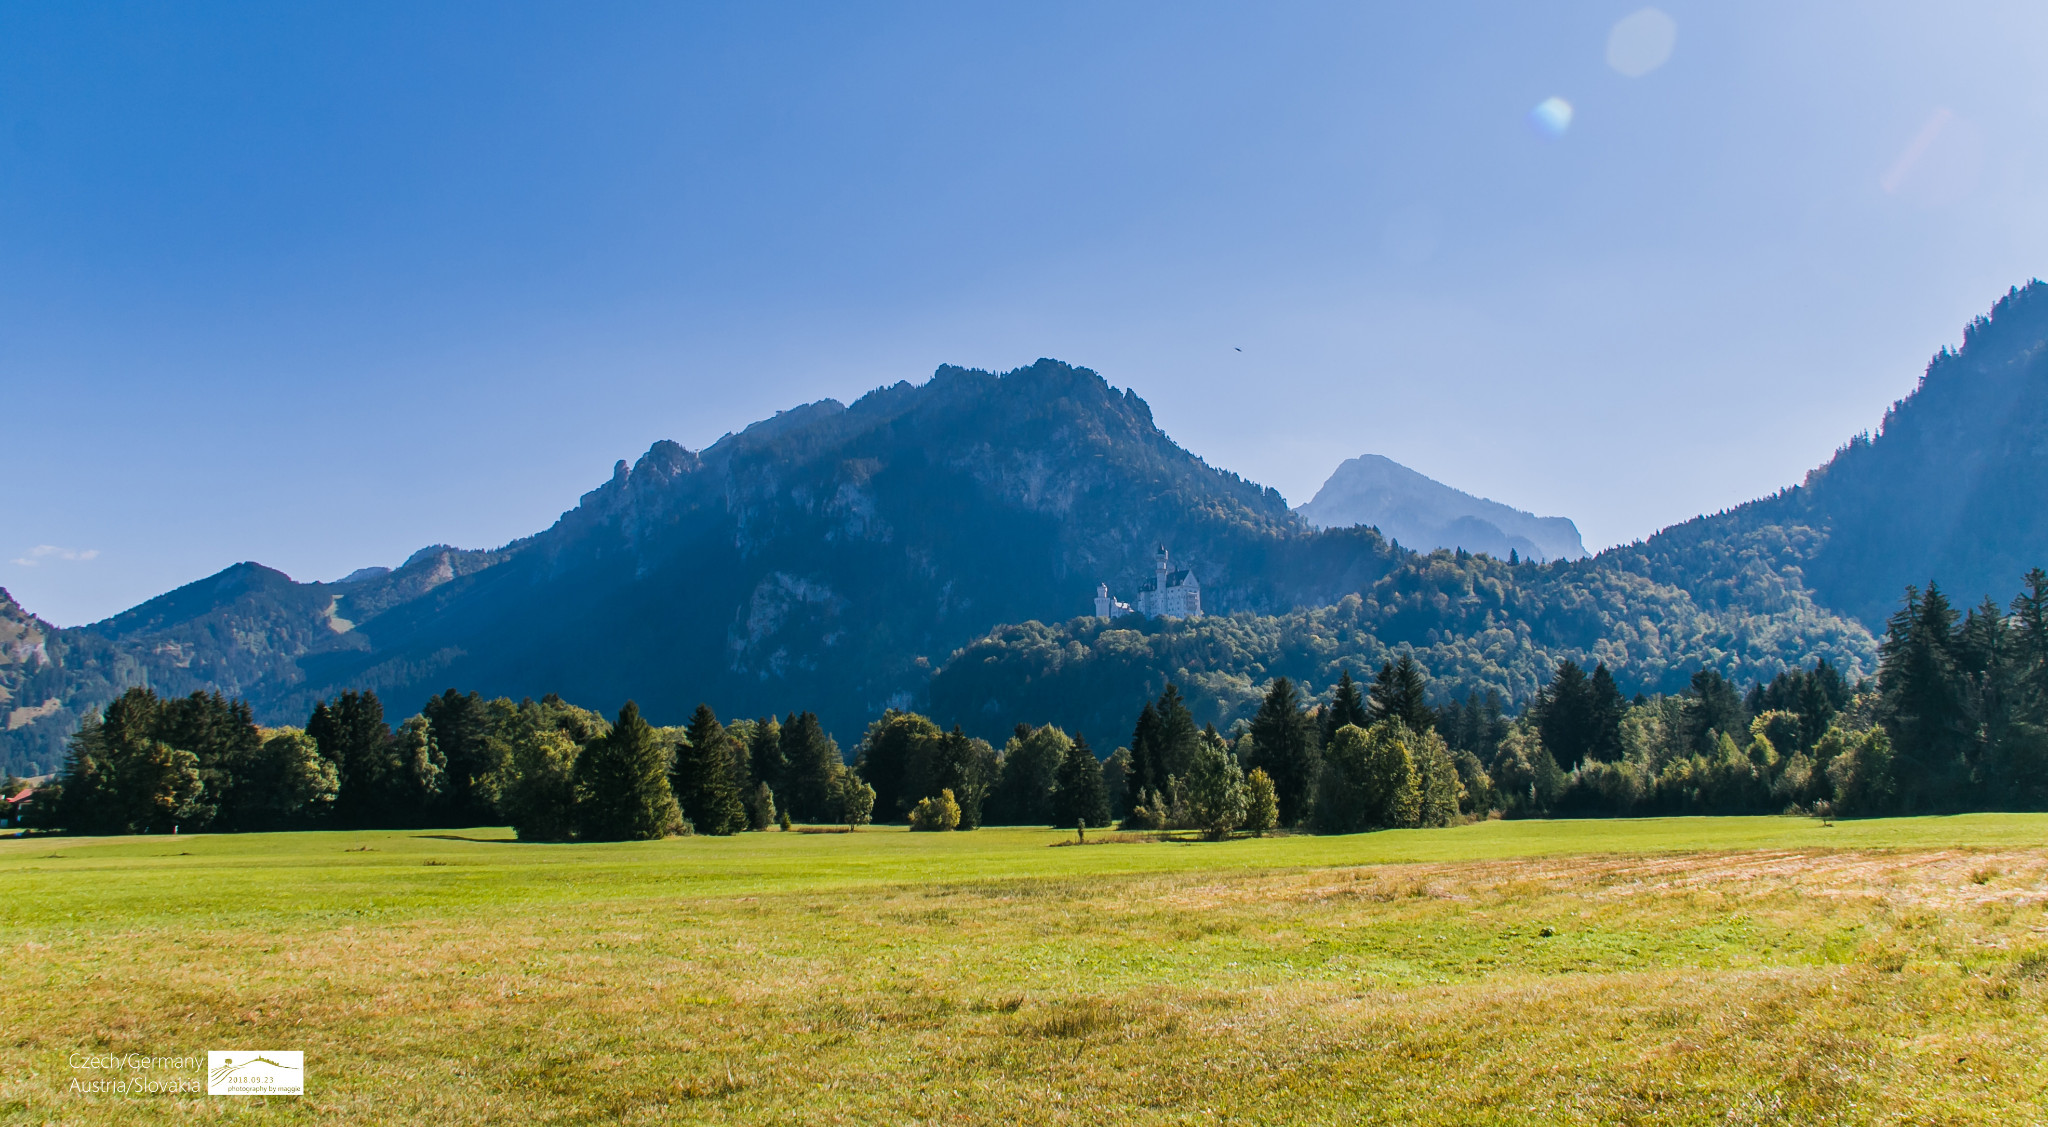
{"x":553,"y":771}
{"x":1956,"y":719}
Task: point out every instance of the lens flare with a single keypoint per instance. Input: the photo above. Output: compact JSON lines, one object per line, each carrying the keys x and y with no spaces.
{"x":1641,"y":42}
{"x":1553,"y":116}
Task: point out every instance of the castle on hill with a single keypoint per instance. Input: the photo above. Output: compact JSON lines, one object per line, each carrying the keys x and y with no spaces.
{"x":1170,"y":594}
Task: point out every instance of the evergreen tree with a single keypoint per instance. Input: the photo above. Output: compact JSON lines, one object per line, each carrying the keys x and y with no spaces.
{"x":1922,"y":704}
{"x":2030,"y":647}
{"x":1347,"y":706}
{"x":761,"y":811}
{"x":221,"y":735}
{"x":1475,"y":723}
{"x":1116,"y":781}
{"x":1398,"y":693}
{"x":1712,"y":709}
{"x":1580,"y":716}
{"x":812,"y":766}
{"x":1176,"y":737}
{"x":1285,"y":747}
{"x":622,"y":791}
{"x":1146,"y":774}
{"x":765,"y":753}
{"x":895,"y":757}
{"x":1078,"y":794}
{"x":84,"y":796}
{"x":702,"y":777}
{"x":352,"y":734}
{"x":1031,"y":767}
{"x":1604,"y":710}
{"x":465,"y":735}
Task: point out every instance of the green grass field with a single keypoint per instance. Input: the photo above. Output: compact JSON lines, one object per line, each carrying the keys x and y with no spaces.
{"x":1729,"y":970}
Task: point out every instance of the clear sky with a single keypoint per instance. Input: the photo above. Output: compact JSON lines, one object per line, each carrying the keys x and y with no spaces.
{"x":317,"y":285}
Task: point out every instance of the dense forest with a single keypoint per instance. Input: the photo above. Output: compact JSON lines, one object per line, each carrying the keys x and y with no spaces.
{"x":1956,"y":718}
{"x":1480,"y":624}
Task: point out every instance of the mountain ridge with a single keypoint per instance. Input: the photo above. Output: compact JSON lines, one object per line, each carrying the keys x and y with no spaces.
{"x":1420,"y":512}
{"x":848,"y":558}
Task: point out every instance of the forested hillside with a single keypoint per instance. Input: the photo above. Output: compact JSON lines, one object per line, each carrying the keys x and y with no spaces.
{"x":1478,"y":624}
{"x":841,"y":556}
{"x":830,"y":554}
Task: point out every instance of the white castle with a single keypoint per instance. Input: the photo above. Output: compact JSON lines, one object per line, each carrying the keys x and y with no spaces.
{"x":1170,"y":594}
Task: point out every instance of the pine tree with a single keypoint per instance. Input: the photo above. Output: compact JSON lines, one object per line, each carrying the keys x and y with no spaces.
{"x":2030,"y":647}
{"x":466,"y":737}
{"x":352,"y":734}
{"x":1031,"y":767}
{"x":1398,"y":693}
{"x":812,"y":766}
{"x":895,"y":758}
{"x":1145,"y":772}
{"x":1604,"y":711}
{"x":765,"y":753}
{"x":1116,"y":781}
{"x":1284,"y":745}
{"x":702,"y":777}
{"x":1176,"y":737}
{"x":1078,"y":795}
{"x":1712,"y":709}
{"x":622,"y":791}
{"x":1922,"y":703}
{"x":1347,"y":706}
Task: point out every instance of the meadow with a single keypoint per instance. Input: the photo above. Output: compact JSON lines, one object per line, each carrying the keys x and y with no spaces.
{"x":1685,"y":970}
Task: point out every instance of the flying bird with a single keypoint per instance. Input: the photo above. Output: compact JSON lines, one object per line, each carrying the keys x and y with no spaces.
{"x":1240,"y":350}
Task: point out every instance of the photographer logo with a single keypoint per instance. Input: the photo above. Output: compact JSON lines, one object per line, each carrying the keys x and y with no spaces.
{"x":253,"y":1072}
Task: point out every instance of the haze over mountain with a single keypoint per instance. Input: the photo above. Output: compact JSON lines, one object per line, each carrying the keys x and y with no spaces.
{"x":1422,"y":513}
{"x":838,"y":557}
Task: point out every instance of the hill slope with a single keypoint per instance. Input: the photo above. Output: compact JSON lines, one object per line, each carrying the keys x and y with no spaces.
{"x":825,"y":558}
{"x":833,"y":556}
{"x":1422,"y":513}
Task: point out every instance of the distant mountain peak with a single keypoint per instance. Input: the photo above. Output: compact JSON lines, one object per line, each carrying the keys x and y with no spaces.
{"x":1424,"y":514}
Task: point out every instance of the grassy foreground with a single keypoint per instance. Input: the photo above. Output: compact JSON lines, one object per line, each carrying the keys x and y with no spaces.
{"x":1729,"y":970}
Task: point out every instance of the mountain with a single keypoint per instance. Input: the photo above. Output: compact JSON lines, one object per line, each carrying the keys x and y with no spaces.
{"x":827,"y":558}
{"x":1423,"y":513}
{"x":932,"y":545}
{"x":1951,"y":487}
{"x":1948,"y":490}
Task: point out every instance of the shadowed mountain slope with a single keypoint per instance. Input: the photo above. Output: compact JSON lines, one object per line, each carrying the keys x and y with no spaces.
{"x":834,"y":557}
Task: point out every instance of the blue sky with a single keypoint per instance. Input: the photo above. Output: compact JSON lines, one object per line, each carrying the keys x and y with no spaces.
{"x":317,"y":285}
